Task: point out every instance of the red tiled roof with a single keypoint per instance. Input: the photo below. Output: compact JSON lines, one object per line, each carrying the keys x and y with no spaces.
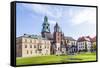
{"x":93,"y":39}
{"x":83,"y":38}
{"x":86,"y":38}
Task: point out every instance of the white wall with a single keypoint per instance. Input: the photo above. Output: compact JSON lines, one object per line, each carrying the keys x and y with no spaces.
{"x":5,"y":34}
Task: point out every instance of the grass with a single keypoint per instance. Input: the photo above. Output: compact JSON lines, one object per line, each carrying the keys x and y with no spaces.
{"x":56,"y":59}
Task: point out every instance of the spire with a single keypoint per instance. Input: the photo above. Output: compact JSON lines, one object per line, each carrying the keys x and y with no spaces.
{"x":56,"y":25}
{"x":46,"y":25}
{"x":45,"y":19}
{"x":57,"y":28}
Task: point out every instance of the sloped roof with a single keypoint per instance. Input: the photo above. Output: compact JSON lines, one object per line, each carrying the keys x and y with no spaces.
{"x":93,"y":39}
{"x":80,"y":39}
{"x":69,"y":38}
{"x":33,"y":36}
{"x":49,"y":36}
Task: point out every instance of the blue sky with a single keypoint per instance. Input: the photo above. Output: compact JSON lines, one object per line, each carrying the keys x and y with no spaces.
{"x":74,"y":21}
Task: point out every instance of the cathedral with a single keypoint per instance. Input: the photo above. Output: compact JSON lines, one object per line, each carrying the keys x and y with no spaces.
{"x":48,"y":43}
{"x":58,"y":43}
{"x":51,"y":43}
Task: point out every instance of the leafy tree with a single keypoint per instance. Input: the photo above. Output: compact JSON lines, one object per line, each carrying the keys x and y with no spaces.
{"x":94,"y":46}
{"x":85,"y":47}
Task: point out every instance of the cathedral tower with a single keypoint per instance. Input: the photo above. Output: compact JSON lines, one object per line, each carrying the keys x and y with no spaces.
{"x":45,"y":27}
{"x":57,"y":38}
{"x":57,"y":34}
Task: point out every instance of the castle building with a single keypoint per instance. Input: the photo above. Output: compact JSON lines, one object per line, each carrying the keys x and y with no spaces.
{"x":32,"y":45}
{"x":71,"y":45}
{"x":46,"y":44}
{"x":84,"y":44}
{"x":49,"y":43}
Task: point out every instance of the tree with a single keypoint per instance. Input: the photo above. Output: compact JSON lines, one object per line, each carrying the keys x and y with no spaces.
{"x":85,"y":47}
{"x":94,"y":46}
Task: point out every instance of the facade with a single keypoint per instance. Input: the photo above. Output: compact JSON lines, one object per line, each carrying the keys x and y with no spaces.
{"x":71,"y":45}
{"x":32,"y":45}
{"x":84,"y":44}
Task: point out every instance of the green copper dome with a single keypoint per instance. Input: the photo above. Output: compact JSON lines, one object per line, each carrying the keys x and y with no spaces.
{"x":46,"y":25}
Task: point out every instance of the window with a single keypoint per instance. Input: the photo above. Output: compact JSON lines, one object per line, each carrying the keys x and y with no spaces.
{"x":58,"y":48}
{"x":47,"y":27}
{"x":31,"y":51}
{"x":34,"y":46}
{"x":40,"y":46}
{"x":25,"y":40}
{"x":30,"y":46}
{"x":27,"y":51}
{"x":25,"y":46}
{"x":81,"y":46}
{"x":45,"y":46}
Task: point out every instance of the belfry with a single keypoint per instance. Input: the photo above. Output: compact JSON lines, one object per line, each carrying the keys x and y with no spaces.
{"x":45,"y":28}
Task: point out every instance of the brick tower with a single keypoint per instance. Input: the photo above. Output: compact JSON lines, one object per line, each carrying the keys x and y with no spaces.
{"x":57,"y":39}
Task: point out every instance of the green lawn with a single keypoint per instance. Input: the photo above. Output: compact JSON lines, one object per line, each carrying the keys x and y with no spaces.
{"x":56,"y":59}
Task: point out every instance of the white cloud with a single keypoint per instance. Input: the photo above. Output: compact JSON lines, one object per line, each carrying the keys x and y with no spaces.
{"x":37,"y":8}
{"x":53,"y":12}
{"x":87,"y":15}
{"x":52,"y":22}
{"x":75,"y":15}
